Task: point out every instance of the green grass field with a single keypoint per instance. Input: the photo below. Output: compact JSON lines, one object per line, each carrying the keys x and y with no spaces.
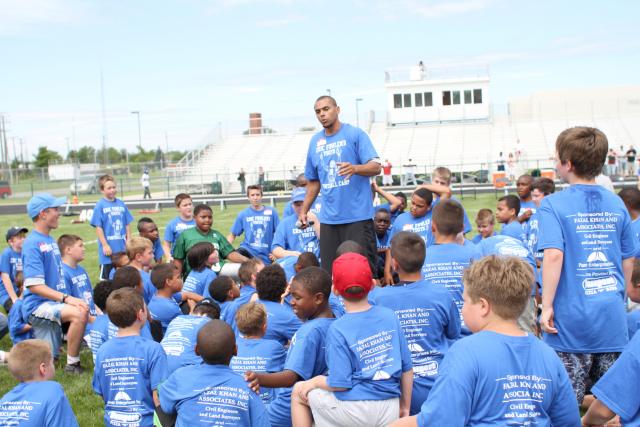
{"x":87,"y":406}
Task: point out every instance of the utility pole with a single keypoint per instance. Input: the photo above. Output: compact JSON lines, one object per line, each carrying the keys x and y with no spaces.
{"x":104,"y":120}
{"x":357,"y":114}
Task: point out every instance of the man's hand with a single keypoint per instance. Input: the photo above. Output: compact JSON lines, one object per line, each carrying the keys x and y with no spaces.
{"x":346,"y":169}
{"x":106,"y":250}
{"x":546,"y":320}
{"x":77,"y":302}
{"x":302,"y":219}
{"x":388,"y":278}
{"x":252,"y":379}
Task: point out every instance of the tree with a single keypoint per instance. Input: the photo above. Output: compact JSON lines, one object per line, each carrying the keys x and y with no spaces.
{"x":86,"y":154}
{"x":45,"y":157}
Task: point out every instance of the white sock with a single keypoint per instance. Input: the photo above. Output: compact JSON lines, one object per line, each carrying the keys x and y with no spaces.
{"x":72,"y":359}
{"x":3,"y":356}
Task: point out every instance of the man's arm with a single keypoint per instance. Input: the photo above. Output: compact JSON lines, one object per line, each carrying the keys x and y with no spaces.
{"x":166,"y":246}
{"x":394,"y":202}
{"x":281,"y":379}
{"x":230,"y":238}
{"x":597,"y":415}
{"x":552,"y":262}
{"x":46,"y":292}
{"x":280,"y":252}
{"x":442,"y":191}
{"x":346,"y":169}
{"x":313,"y":189}
{"x":406,"y":385}
{"x":127,"y":232}
{"x":236,"y":257}
{"x":8,"y":286}
{"x":627,"y":270}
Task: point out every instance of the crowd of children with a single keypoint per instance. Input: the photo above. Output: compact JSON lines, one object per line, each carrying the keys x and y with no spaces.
{"x":521,"y":325}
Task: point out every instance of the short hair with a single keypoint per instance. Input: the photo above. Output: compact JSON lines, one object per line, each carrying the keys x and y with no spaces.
{"x":330,"y":98}
{"x":271,"y":283}
{"x":314,"y":280}
{"x":635,"y":276}
{"x":383,"y":211}
{"x":100,"y":294}
{"x":160,"y":273}
{"x":444,"y":173}
{"x":216,"y":343}
{"x":249,"y":268}
{"x":307,"y":259}
{"x":126,"y":277}
{"x":586,"y":149}
{"x":512,"y":202}
{"x":631,"y":198}
{"x":104,"y":179}
{"x":142,"y":221}
{"x":251,"y":318}
{"x":425,"y":195}
{"x":199,"y":254}
{"x":448,"y":217}
{"x":137,"y":245}
{"x":408,"y":249}
{"x":544,"y":185}
{"x":26,"y":357}
{"x":207,"y":307}
{"x":401,"y":194}
{"x":350,"y":246}
{"x":485,"y":215}
{"x":527,"y":177}
{"x":180,"y":197}
{"x":504,"y":281}
{"x":123,"y":306}
{"x":201,"y":207}
{"x":219,"y":288}
{"x":116,"y":257}
{"x":254,"y":187}
{"x":67,"y":241}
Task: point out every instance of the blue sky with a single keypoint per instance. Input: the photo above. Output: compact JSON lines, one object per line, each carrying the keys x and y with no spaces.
{"x":189,"y":66}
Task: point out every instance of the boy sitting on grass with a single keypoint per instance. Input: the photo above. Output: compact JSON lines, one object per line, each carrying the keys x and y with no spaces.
{"x":223,"y":290}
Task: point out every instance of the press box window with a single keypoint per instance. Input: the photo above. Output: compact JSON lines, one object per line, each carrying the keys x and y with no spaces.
{"x":407,"y":100}
{"x":397,"y":100}
{"x":477,"y":96}
{"x":467,"y":97}
{"x":428,"y":99}
{"x":446,"y":97}
{"x":456,"y":97}
{"x":418,"y":99}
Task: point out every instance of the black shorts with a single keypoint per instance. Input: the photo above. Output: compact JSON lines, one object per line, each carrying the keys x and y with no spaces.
{"x":362,"y":232}
{"x":105,"y":270}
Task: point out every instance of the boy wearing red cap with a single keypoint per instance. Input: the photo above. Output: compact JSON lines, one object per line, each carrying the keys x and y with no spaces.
{"x":370,"y":372}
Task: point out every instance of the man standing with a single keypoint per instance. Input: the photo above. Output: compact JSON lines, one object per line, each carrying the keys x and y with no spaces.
{"x":387,"y":178}
{"x":340,"y":161}
{"x":145,"y":183}
{"x":409,"y":173}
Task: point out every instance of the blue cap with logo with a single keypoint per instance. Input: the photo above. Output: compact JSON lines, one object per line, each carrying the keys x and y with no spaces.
{"x":298,"y":194}
{"x":43,"y":201}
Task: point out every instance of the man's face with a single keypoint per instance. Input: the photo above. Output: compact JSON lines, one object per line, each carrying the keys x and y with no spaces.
{"x":150,"y":231}
{"x":403,"y":204}
{"x":326,"y":112}
{"x":50,"y":217}
{"x":297,"y":207}
{"x":523,"y":186}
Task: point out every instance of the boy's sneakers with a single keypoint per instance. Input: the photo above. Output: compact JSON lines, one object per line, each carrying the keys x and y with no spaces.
{"x":74,"y":369}
{"x":4,"y":357}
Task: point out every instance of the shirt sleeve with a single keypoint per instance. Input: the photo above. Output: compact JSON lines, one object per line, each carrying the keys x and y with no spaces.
{"x":167,"y":392}
{"x":158,"y":371}
{"x":178,"y":249}
{"x":238,"y":227}
{"x":552,"y":238}
{"x":5,"y":265}
{"x":127,"y":215}
{"x":405,"y":354}
{"x":302,"y":355}
{"x":366,"y":152}
{"x":279,"y":238}
{"x":339,"y":363}
{"x":168,"y":232}
{"x":453,"y":326}
{"x":97,"y":374}
{"x":225,"y":247}
{"x":96,"y":218}
{"x":60,"y":412}
{"x":33,"y":266}
{"x":628,"y":242}
{"x":257,"y":411}
{"x":310,"y":169}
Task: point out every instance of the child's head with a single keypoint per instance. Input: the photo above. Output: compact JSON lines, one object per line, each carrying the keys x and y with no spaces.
{"x":147,"y":228}
{"x":15,"y":237}
{"x":310,"y":291}
{"x":125,"y":307}
{"x":348,"y":247}
{"x":498,"y":286}
{"x":407,"y":252}
{"x":119,"y":259}
{"x":634,"y":293}
{"x":421,"y":202}
{"x":101,"y":292}
{"x":352,"y":277}
{"x":204,"y":218}
{"x":271,"y":282}
{"x":127,"y":277}
{"x":71,"y":246}
{"x":441,"y":176}
{"x":382,"y":221}
{"x":254,"y":194}
{"x":201,"y":256}
{"x":306,"y":259}
{"x":184,"y":204}
{"x":403,"y":201}
{"x":216,"y":343}
{"x":31,"y":360}
{"x":581,"y":152}
{"x":140,"y":250}
{"x":485,"y":222}
{"x":448,"y":218}
{"x":224,"y":288}
{"x":507,"y":208}
{"x":631,"y":198}
{"x":249,"y":269}
{"x":523,"y":186}
{"x":207,"y":308}
{"x":107,"y":186}
{"x":541,"y":188}
{"x":166,"y":276}
{"x":251,"y":320}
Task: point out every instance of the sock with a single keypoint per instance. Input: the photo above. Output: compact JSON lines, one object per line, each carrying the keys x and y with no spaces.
{"x":71,"y":360}
{"x":3,"y":357}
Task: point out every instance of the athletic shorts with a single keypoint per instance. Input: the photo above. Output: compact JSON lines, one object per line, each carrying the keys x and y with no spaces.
{"x":585,"y":369}
{"x":330,"y":411}
{"x":46,"y":323}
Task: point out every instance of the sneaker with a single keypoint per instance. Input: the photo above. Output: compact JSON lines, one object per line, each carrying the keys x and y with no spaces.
{"x":4,"y":357}
{"x":74,"y":369}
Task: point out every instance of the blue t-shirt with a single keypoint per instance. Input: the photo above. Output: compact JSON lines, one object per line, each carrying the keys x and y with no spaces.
{"x":387,"y":207}
{"x":10,"y":263}
{"x":258,"y":228}
{"x":508,"y":246}
{"x":478,"y":238}
{"x":113,"y":217}
{"x":42,"y":265}
{"x":366,"y":354}
{"x":281,"y":322}
{"x":79,"y":285}
{"x":592,"y":228}
{"x":383,"y":243}
{"x":36,"y":404}
{"x":126,"y":372}
{"x":199,"y":281}
{"x":532,"y":229}
{"x":225,"y":311}
{"x":292,"y":238}
{"x":164,"y":310}
{"x":147,"y":285}
{"x":315,"y":207}
{"x":246,"y":291}
{"x":17,"y":322}
{"x":633,"y":322}
{"x":618,"y":387}
{"x":288,"y":264}
{"x":514,"y":229}
{"x":344,"y":200}
{"x":259,"y":355}
{"x":179,"y":341}
{"x":465,"y":218}
{"x":430,"y":320}
{"x":158,"y":252}
{"x":175,"y":227}
{"x":208,"y":395}
{"x":527,"y":206}
{"x":490,"y":379}
{"x":635,"y":226}
{"x":421,"y":226}
{"x":102,"y":330}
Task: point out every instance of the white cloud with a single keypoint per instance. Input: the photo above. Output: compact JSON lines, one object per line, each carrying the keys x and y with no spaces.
{"x":19,"y":17}
{"x":280,"y":22}
{"x":444,"y":8}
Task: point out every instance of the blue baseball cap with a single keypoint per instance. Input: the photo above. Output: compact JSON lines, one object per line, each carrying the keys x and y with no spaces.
{"x":298,"y":194}
{"x":43,"y":201}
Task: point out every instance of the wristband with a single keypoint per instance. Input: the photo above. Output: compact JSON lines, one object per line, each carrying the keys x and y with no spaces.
{"x":64,"y":298}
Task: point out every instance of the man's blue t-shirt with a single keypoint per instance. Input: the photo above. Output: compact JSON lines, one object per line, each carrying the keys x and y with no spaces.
{"x":421,"y":226}
{"x":36,"y":404}
{"x":10,"y":263}
{"x":344,"y":200}
{"x":175,"y":227}
{"x":158,"y":251}
{"x":179,"y":341}
{"x":211,"y":395}
{"x":42,"y":264}
{"x":199,"y":281}
{"x":113,"y":217}
{"x":366,"y":354}
{"x":633,"y":322}
{"x":79,"y":285}
{"x":618,"y":387}
{"x":281,"y":322}
{"x":164,"y":310}
{"x":292,"y":238}
{"x":288,"y":264}
{"x":126,"y":372}
{"x":17,"y":323}
{"x":258,"y":228}
{"x":465,"y":218}
{"x":430,"y":320}
{"x":490,"y":379}
{"x":592,"y":228}
{"x":259,"y":355}
{"x":102,"y":330}
{"x":514,"y":229}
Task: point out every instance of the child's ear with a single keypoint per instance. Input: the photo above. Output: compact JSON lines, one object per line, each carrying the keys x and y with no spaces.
{"x":264,"y":330}
{"x":433,"y":227}
{"x":235,"y":349}
{"x":197,"y":350}
{"x":485,"y":307}
{"x":394,"y":264}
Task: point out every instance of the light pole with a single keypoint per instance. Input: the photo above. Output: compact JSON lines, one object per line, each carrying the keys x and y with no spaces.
{"x":357,"y":114}
{"x":137,"y":113}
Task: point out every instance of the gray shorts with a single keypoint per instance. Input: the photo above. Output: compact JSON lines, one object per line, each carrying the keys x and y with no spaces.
{"x":46,"y":323}
{"x":528,"y":319}
{"x":330,"y":411}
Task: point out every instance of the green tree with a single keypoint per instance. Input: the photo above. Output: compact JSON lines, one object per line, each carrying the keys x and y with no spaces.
{"x":86,"y":154}
{"x":45,"y":157}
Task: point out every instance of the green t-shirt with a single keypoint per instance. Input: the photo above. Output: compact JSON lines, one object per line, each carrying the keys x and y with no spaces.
{"x":190,"y":237}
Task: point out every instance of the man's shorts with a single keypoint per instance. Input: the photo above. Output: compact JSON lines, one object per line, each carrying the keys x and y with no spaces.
{"x":527,"y":320}
{"x":330,"y":411}
{"x":585,"y":369}
{"x":46,"y":323}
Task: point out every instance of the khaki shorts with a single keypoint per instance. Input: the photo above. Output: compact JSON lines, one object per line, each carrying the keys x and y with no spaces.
{"x":329,"y":411}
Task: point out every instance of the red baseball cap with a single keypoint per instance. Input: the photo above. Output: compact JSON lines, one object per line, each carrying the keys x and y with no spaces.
{"x":349,"y":270}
